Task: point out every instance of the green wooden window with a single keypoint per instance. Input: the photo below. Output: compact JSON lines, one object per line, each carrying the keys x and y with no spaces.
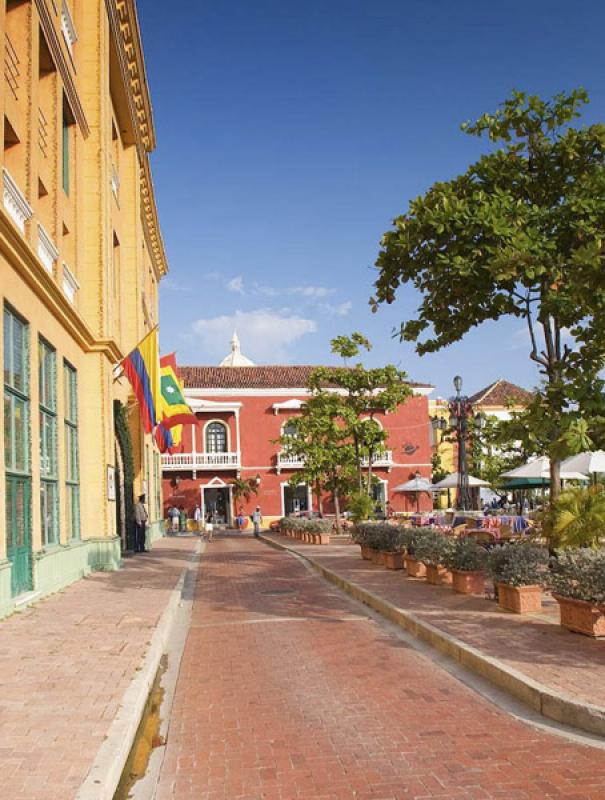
{"x":49,"y":477}
{"x":16,"y":394}
{"x":17,"y":450}
{"x":72,"y":468}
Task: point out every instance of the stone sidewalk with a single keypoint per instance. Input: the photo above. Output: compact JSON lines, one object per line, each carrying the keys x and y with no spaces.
{"x":535,"y":646}
{"x":289,"y":691}
{"x":66,"y":663}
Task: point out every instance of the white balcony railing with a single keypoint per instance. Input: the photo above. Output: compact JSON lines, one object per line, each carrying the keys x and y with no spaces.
{"x":15,"y":203}
{"x":115,"y":183}
{"x":47,"y":250}
{"x":289,"y":462}
{"x":196,"y":461}
{"x":382,"y":459}
{"x":68,"y":28}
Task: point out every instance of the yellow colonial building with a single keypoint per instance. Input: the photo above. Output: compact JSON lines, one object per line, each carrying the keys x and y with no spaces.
{"x":81,"y":256}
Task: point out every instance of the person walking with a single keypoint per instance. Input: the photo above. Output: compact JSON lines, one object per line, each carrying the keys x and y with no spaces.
{"x":209,"y":526}
{"x":257,"y":521}
{"x":140,"y":524}
{"x":173,"y":514}
{"x":197,"y":516}
{"x":182,"y":519}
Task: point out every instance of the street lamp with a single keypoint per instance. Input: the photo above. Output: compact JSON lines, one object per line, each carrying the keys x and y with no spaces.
{"x":461,"y":412}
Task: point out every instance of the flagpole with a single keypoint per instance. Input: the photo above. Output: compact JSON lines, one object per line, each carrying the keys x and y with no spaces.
{"x":117,"y":377}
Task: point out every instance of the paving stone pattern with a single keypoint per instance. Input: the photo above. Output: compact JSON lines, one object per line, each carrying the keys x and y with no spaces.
{"x":65,"y":664}
{"x":535,"y":645}
{"x":288,"y":691}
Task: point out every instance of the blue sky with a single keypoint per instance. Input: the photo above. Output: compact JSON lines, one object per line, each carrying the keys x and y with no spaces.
{"x":290,"y":135}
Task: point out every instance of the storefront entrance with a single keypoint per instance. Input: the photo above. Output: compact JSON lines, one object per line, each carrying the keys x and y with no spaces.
{"x":295,"y":499}
{"x":216,"y":503}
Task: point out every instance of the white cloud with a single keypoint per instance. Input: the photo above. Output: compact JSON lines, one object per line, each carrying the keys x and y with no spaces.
{"x":343,"y":309}
{"x":313,"y":292}
{"x":236,"y":285}
{"x":265,"y":335}
{"x":170,"y":285}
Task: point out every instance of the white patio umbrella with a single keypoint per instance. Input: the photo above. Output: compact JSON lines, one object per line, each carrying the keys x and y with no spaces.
{"x":451,"y":482}
{"x":586,"y":463}
{"x":540,"y":468}
{"x":416,"y":485}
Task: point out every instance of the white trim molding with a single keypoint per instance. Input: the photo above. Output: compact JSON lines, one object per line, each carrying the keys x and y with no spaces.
{"x":47,"y":249}
{"x":17,"y":207}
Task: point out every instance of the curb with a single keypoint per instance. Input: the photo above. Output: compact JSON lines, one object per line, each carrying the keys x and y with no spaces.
{"x":104,"y":775}
{"x":540,"y":698}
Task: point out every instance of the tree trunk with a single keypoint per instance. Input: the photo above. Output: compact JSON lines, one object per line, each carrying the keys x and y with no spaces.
{"x":318,"y":494}
{"x":555,"y":479}
{"x":336,"y":498}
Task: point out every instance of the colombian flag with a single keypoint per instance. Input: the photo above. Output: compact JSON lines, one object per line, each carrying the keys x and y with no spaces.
{"x":173,"y":406}
{"x":142,"y":368}
{"x":168,"y":440}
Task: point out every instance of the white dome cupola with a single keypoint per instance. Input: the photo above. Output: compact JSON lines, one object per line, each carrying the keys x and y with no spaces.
{"x":235,"y":357}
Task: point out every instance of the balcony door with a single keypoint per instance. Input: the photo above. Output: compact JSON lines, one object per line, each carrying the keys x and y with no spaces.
{"x":216,"y":437}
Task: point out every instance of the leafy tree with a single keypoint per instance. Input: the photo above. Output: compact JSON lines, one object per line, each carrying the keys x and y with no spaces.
{"x":519,"y":234}
{"x":319,"y":440}
{"x":243,"y":488}
{"x":359,"y":394}
{"x":495,"y":448}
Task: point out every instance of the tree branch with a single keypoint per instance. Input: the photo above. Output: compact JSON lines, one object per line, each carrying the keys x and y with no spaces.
{"x":534,"y":355}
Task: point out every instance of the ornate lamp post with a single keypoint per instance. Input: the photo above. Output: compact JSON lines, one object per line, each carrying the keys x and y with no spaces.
{"x":461,"y":412}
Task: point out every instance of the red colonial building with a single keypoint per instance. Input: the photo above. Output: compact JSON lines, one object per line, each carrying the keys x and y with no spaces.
{"x":242,"y":409}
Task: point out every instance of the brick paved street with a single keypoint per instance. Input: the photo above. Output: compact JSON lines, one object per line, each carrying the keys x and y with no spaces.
{"x":65,"y":664}
{"x":288,"y":691}
{"x":536,"y":645}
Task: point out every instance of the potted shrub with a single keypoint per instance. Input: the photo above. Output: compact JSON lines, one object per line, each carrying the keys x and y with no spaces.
{"x":466,"y":560}
{"x":433,"y":549}
{"x":410,"y":538}
{"x":576,"y":518}
{"x":577,"y":580}
{"x":518,"y":569}
{"x":362,"y":535}
{"x":319,"y":530}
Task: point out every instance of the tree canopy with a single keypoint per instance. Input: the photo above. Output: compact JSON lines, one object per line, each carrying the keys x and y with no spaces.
{"x":519,"y":234}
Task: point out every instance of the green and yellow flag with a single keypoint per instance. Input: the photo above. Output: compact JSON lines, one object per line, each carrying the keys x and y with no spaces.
{"x":174,"y":409}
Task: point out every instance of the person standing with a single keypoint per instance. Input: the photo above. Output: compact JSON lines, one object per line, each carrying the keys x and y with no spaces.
{"x":257,"y":521}
{"x":197,"y":516}
{"x":140,"y":524}
{"x":182,"y":519}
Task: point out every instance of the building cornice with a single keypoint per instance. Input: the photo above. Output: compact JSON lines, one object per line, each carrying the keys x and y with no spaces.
{"x":22,"y":258}
{"x":151,"y":223}
{"x":60,"y":61}
{"x":125,"y":27}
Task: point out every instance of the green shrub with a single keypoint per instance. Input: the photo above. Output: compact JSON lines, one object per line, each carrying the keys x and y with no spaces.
{"x":410,"y":537}
{"x":517,"y":563}
{"x":433,"y":547}
{"x":466,"y":555}
{"x":379,"y":535}
{"x":579,"y":574}
{"x":315,"y":525}
{"x":361,"y":507}
{"x":576,"y":518}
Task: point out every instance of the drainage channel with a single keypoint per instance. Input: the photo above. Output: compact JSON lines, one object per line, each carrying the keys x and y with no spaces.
{"x":147,"y":738}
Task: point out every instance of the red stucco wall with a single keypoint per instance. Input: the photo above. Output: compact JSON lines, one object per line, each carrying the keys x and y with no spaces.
{"x":408,"y":438}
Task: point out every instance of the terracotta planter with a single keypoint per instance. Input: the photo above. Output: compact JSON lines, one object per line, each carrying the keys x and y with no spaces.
{"x":393,"y":560}
{"x":378,"y":556}
{"x":314,"y":538}
{"x":366,"y":552}
{"x":467,"y":582}
{"x":581,"y":616}
{"x":323,"y":538}
{"x":438,"y":576}
{"x":415,"y":569}
{"x":520,"y":599}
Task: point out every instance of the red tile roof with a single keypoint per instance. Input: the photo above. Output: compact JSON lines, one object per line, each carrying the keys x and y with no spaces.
{"x":262,"y":377}
{"x":501,"y":393}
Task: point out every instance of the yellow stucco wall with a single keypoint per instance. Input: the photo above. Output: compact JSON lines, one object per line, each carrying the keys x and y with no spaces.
{"x":104,"y":230}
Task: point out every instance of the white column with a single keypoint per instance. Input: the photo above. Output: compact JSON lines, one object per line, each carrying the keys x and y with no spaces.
{"x":237,"y":435}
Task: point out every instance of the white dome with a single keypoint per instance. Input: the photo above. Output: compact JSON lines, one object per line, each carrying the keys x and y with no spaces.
{"x":235,"y":357}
